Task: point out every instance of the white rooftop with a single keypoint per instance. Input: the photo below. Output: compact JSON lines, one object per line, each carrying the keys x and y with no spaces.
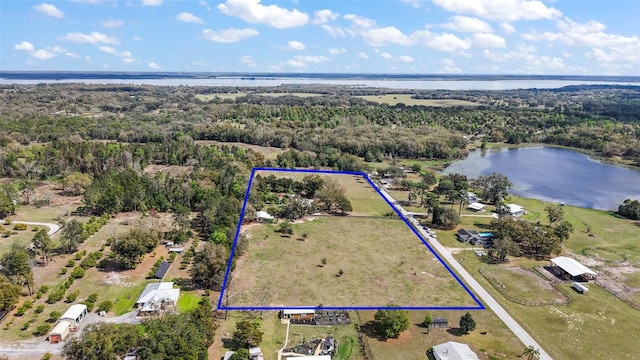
{"x":312,"y":357}
{"x":571,"y":266}
{"x":452,"y":350}
{"x":263,"y":215}
{"x":61,"y":327}
{"x":514,"y":208}
{"x":74,"y":311}
{"x":159,"y":291}
{"x":476,"y":206}
{"x":298,"y":311}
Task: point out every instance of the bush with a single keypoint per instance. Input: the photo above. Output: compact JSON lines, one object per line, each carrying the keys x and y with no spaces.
{"x":46,"y":356}
{"x":21,"y":310}
{"x":78,"y":256}
{"x":25,"y":326}
{"x":63,"y":271}
{"x":77,"y":273}
{"x":28,"y":304}
{"x":54,"y":316}
{"x":39,"y":309}
{"x":88,"y":263}
{"x":56,"y":295}
{"x":102,"y":264}
{"x":92,"y":298}
{"x":41,"y":291}
{"x":72,"y":296}
{"x":105,"y":306}
{"x":7,"y":233}
{"x":20,"y":227}
{"x":71,"y":263}
{"x":42,"y":329}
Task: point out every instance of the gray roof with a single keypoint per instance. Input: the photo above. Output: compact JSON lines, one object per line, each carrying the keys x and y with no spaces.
{"x":452,"y":350}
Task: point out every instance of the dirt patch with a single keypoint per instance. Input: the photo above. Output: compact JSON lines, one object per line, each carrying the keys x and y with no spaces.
{"x":172,"y":170}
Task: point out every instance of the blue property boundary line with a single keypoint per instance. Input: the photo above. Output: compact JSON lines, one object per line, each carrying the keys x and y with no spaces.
{"x":365,"y":176}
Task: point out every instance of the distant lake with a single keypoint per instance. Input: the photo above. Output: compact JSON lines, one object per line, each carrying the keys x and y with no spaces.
{"x":555,"y":174}
{"x":424,"y":83}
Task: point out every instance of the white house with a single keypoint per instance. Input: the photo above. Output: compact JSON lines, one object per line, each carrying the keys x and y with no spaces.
{"x":514,"y":209}
{"x":264,"y":216}
{"x":156,"y":296}
{"x":452,"y":350}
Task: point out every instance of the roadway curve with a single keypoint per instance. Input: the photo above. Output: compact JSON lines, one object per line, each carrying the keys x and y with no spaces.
{"x":487,"y":299}
{"x":53,"y":228}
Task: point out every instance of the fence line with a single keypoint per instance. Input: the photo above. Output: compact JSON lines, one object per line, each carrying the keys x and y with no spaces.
{"x":365,"y":348}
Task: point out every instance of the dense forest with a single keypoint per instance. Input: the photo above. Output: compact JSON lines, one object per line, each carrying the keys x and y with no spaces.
{"x":601,"y":119}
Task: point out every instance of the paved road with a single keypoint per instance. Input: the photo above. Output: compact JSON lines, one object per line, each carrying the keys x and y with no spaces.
{"x":487,"y":299}
{"x":53,"y":228}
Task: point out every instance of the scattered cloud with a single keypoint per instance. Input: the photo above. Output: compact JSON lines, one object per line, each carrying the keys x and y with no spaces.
{"x":205,"y":4}
{"x":295,"y":45}
{"x":337,"y":51}
{"x":324,"y":16}
{"x":444,"y":42}
{"x":504,"y":10}
{"x":334,"y":31}
{"x":126,"y":56}
{"x":414,"y":3}
{"x":507,"y":28}
{"x":93,"y":2}
{"x":449,"y":67}
{"x":189,"y":18}
{"x":362,"y":55}
{"x":230,"y":35}
{"x":137,"y":38}
{"x":386,"y":55}
{"x":153,"y":66}
{"x":151,"y":2}
{"x":252,"y":11}
{"x":42,"y":54}
{"x":111,"y":23}
{"x":301,"y":61}
{"x":25,"y":45}
{"x":405,"y":59}
{"x":49,"y":10}
{"x":248,"y":60}
{"x":486,"y":40}
{"x":93,"y":38}
{"x":467,"y":24}
{"x":360,"y":22}
{"x":61,"y":50}
{"x":385,"y":36}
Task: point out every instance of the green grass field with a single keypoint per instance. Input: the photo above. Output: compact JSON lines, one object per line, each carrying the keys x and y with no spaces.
{"x":188,"y":301}
{"x":382,"y":262}
{"x":522,"y":285}
{"x":394,"y":99}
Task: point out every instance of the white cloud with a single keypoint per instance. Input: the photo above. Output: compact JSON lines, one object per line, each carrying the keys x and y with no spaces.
{"x":153,"y":65}
{"x":486,"y":40}
{"x":405,"y":58}
{"x":360,"y":22}
{"x":414,"y":3}
{"x":248,"y":60}
{"x":334,"y":31}
{"x":254,"y":12}
{"x":128,"y":60}
{"x":295,"y":45}
{"x":336,"y":51}
{"x":467,"y":24}
{"x":49,"y":10}
{"x":444,"y":42}
{"x":523,"y":53}
{"x":310,"y":58}
{"x":386,"y":55}
{"x":25,"y":45}
{"x":503,"y":10}
{"x":363,"y":56}
{"x":111,"y":23}
{"x":42,"y":54}
{"x":324,"y":16}
{"x":137,"y":38}
{"x":93,"y":38}
{"x":151,"y":2}
{"x":507,"y":28}
{"x":296,"y":64}
{"x":189,"y":18}
{"x":449,"y":67}
{"x":385,"y":36}
{"x":126,"y":56}
{"x":230,"y":35}
{"x":93,"y":2}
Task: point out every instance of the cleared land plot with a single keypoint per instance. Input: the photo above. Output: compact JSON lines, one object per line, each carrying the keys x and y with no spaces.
{"x":382,"y":262}
{"x":222,"y":96}
{"x":394,"y":99}
{"x":268,"y":151}
{"x":522,"y":285}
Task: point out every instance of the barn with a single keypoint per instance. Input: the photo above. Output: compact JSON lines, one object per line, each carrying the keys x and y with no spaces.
{"x":570,"y":269}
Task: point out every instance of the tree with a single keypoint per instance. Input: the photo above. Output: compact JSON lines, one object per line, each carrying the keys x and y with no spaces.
{"x":240,"y":354}
{"x":564,"y":230}
{"x":15,"y":265}
{"x":43,"y":244}
{"x":6,"y":205}
{"x":494,"y":187}
{"x":247,"y":334}
{"x":72,"y":235}
{"x":102,"y":341}
{"x":531,"y":353}
{"x":285,"y":228}
{"x":9,"y":294}
{"x":427,"y":321}
{"x":504,"y":246}
{"x":311,"y":184}
{"x":344,"y":204}
{"x":555,"y":213}
{"x":130,"y":249}
{"x":76,"y":183}
{"x":209,"y":266}
{"x":445,"y":217}
{"x":467,"y":324}
{"x":630,"y":209}
{"x":390,"y":323}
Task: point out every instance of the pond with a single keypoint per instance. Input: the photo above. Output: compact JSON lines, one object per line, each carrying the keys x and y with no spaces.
{"x":555,"y":174}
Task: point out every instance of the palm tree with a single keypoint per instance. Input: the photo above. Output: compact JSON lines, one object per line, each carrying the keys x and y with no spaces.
{"x":531,"y":353}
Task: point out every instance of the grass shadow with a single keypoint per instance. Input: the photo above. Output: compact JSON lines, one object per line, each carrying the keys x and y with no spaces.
{"x":455,"y":331}
{"x":482,"y":226}
{"x":369,"y":329}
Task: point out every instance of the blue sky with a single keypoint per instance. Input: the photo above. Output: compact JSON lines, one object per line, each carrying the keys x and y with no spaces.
{"x":594,"y":37}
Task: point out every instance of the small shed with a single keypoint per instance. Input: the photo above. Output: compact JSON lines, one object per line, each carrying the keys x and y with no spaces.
{"x":59,"y":332}
{"x":439,"y":323}
{"x":75,"y":314}
{"x":176,"y":249}
{"x":264,"y":216}
{"x":298,"y":314}
{"x":476,"y":206}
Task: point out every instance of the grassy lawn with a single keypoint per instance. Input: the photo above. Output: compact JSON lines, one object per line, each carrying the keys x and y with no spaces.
{"x":272,"y":341}
{"x":19,"y":237}
{"x":188,"y":300}
{"x":498,"y":342}
{"x":394,"y":99}
{"x":521,"y":285}
{"x":269,"y":152}
{"x":382,"y":262}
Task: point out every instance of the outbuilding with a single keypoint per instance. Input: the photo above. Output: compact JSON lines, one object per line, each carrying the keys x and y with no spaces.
{"x":75,"y":314}
{"x":59,"y":332}
{"x":514,"y":210}
{"x":264,"y":216}
{"x":573,"y":269}
{"x":452,"y":350}
{"x":476,"y":206}
{"x":298,"y":314}
{"x":439,"y":323}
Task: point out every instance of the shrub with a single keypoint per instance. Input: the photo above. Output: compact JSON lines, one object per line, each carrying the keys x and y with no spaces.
{"x":46,"y":356}
{"x":7,"y":233}
{"x":20,"y":227}
{"x":39,"y":309}
{"x":21,"y":310}
{"x":72,"y":296}
{"x":92,"y":298}
{"x":71,"y":263}
{"x":25,"y":326}
{"x":78,"y":256}
{"x":28,"y":304}
{"x":2,"y":229}
{"x":41,"y":291}
{"x":42,"y":329}
{"x":56,"y":295}
{"x":77,"y":273}
{"x":88,"y":262}
{"x":105,"y":306}
{"x":7,"y":221}
{"x":62,"y":271}
{"x":103,"y":263}
{"x":54,"y":316}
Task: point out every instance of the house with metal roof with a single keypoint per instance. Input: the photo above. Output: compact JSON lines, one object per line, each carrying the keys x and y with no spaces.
{"x":452,"y":350}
